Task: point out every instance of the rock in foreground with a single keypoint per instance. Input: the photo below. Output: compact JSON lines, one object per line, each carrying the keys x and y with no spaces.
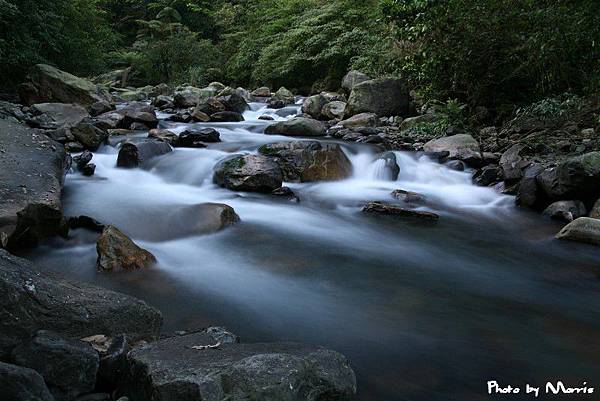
{"x":36,"y":300}
{"x":117,"y":252}
{"x":251,"y":173}
{"x":22,"y":384}
{"x":32,"y":169}
{"x":171,"y":369}
{"x":583,"y":229}
{"x":386,"y":209}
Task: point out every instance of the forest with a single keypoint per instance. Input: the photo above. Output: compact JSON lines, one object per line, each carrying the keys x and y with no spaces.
{"x":491,"y":53}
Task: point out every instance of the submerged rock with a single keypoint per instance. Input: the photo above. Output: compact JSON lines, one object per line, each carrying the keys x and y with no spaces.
{"x":171,"y":369}
{"x":583,"y":229}
{"x":309,"y":161}
{"x":18,"y":383}
{"x":408,"y":196}
{"x":387,"y":209}
{"x":566,"y":210}
{"x":286,"y":193}
{"x":383,"y":96}
{"x":203,"y":218}
{"x":136,"y":154}
{"x":118,"y":252}
{"x":252,"y":173}
{"x":39,"y":300}
{"x":298,"y":126}
{"x":32,"y":169}
{"x":69,"y":367}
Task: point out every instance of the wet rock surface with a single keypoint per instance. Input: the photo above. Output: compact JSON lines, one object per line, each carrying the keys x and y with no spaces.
{"x":253,"y":173}
{"x":137,"y":154}
{"x":118,"y":252}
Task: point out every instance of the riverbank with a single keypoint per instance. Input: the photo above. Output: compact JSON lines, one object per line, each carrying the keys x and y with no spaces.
{"x":320,"y":270}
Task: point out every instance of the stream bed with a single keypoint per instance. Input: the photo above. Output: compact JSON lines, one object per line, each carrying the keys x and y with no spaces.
{"x":423,"y":311}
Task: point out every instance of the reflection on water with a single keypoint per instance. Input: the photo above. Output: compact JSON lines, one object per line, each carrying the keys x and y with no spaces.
{"x":424,"y":312}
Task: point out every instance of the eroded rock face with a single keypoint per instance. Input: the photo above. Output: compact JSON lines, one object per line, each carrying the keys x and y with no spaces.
{"x":118,"y":252}
{"x":170,"y":369}
{"x":48,"y":84}
{"x":32,"y":168}
{"x":252,"y":173}
{"x":136,"y":154}
{"x":384,"y":97}
{"x":69,"y":367}
{"x":298,"y":126}
{"x":38,"y":300}
{"x":583,"y":229}
{"x":461,"y":147}
{"x":309,"y":161}
{"x":22,"y":384}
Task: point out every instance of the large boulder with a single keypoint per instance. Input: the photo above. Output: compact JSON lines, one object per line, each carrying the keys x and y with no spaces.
{"x":252,"y":173}
{"x":90,"y":136}
{"x":189,"y":96}
{"x":57,"y":115}
{"x":68,"y":366}
{"x":513,"y":163}
{"x":32,"y":169}
{"x":137,"y":154}
{"x":566,"y":210}
{"x":298,"y":126}
{"x":35,"y":299}
{"x":234,"y":102}
{"x":48,"y":84}
{"x":22,"y":384}
{"x":383,"y":96}
{"x":583,"y":229}
{"x":353,"y":78}
{"x":308,"y":161}
{"x":197,"y":138}
{"x":528,"y":191}
{"x":313,"y":105}
{"x":110,"y":120}
{"x":263,"y":91}
{"x":575,"y":178}
{"x":226,"y":117}
{"x":284,"y":96}
{"x":118,"y":252}
{"x":178,"y":368}
{"x":461,"y":147}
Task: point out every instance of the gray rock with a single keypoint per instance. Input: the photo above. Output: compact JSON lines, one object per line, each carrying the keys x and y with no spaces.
{"x":39,"y":300}
{"x":566,"y":210}
{"x":284,"y":95}
{"x":386,"y":209}
{"x":298,"y":126}
{"x":308,"y":161}
{"x":32,"y":169}
{"x":583,"y":229}
{"x":263,"y":91}
{"x":164,"y":135}
{"x":138,"y":112}
{"x":22,"y":384}
{"x":353,"y":78}
{"x":488,"y":175}
{"x":528,"y":191}
{"x":408,"y":196}
{"x":101,"y":107}
{"x":250,"y":173}
{"x":110,"y":120}
{"x":334,"y":110}
{"x":90,"y":136}
{"x":313,"y":105}
{"x":200,"y":219}
{"x":513,"y":163}
{"x":187,"y":97}
{"x":595,"y":212}
{"x":576,"y":178}
{"x":118,"y":252}
{"x":137,"y":154}
{"x":191,"y":138}
{"x":456,"y":165}
{"x":461,"y":147}
{"x":163,"y":102}
{"x":361,"y":120}
{"x":171,"y":369}
{"x":234,"y":102}
{"x":383,"y":96}
{"x":69,"y":367}
{"x":57,"y":115}
{"x":226,"y":116}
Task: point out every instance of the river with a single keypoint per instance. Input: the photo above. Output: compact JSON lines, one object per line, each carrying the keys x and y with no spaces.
{"x":423,"y":311}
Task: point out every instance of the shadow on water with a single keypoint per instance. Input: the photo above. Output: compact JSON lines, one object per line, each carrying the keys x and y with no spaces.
{"x":423,"y":312}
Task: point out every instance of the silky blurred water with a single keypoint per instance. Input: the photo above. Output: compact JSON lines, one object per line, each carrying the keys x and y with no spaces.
{"x":423,"y":311}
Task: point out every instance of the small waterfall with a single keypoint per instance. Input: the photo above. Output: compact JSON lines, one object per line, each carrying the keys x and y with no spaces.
{"x":380,"y":171}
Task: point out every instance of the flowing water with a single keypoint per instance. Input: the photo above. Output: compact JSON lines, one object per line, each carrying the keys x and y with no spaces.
{"x":423,"y":311}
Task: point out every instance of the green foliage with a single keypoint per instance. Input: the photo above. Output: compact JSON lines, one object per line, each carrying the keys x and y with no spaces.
{"x":552,"y":108}
{"x":490,"y":52}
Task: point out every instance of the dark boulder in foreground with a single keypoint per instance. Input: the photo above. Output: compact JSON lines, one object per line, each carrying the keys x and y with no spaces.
{"x":117,"y":252}
{"x":309,"y":161}
{"x":22,"y":384}
{"x":37,"y":300}
{"x":32,"y":168}
{"x":298,"y":126}
{"x":387,"y":209}
{"x":69,"y":367}
{"x":136,"y":154}
{"x":172,"y":369}
{"x":252,"y":173}
{"x":198,"y":138}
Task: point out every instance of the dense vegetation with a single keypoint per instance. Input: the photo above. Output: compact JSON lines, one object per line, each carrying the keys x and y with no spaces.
{"x":481,"y":52}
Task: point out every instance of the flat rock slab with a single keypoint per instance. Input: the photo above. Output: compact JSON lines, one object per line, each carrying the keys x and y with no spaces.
{"x":171,"y":369}
{"x":34,"y":300}
{"x":32,"y":168}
